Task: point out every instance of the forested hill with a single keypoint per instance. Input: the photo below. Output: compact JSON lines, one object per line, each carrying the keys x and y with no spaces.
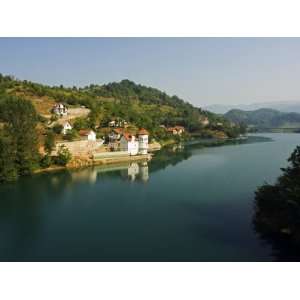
{"x":140,"y":105}
{"x":264,"y":118}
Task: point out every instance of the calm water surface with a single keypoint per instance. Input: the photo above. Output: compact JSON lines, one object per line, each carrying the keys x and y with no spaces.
{"x":191,"y":204}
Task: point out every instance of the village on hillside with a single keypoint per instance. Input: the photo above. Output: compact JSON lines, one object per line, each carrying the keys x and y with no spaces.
{"x":118,"y":139}
{"x":97,"y":124}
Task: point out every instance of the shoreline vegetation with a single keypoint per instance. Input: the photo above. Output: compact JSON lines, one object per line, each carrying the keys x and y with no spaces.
{"x":33,"y":119}
{"x":123,"y":159}
{"x":277,"y":208}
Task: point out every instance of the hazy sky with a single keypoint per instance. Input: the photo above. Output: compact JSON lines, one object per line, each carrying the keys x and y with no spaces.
{"x":200,"y":70}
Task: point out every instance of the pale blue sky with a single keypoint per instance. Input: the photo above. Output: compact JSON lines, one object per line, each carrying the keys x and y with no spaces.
{"x":202,"y":71}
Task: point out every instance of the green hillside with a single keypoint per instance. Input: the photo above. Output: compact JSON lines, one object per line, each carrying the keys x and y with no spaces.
{"x":264,"y":118}
{"x":29,"y":131}
{"x":139,"y":105}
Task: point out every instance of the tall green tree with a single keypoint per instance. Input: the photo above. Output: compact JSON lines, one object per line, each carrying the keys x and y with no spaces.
{"x":277,"y":206}
{"x":49,"y":141}
{"x":8,"y":168}
{"x":20,"y":119}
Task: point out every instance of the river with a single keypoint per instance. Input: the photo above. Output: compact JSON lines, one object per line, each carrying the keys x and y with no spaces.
{"x":187,"y":204}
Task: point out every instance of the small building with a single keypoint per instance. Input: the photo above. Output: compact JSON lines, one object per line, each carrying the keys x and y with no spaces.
{"x":143,"y":135}
{"x":204,"y":121}
{"x":129,"y":143}
{"x":180,"y":129}
{"x":89,"y":134}
{"x":115,"y":135}
{"x":60,"y":109}
{"x":177,"y":130}
{"x":114,"y":139}
{"x":117,"y":123}
{"x":66,"y":127}
{"x":172,"y":130}
{"x":112,"y":123}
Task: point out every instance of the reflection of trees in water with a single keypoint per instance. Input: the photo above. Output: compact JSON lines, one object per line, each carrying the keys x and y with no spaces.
{"x":171,"y":155}
{"x":21,"y":211}
{"x":277,"y":212}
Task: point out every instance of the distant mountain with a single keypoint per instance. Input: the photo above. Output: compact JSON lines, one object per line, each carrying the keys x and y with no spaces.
{"x":284,"y":106}
{"x":264,"y":118}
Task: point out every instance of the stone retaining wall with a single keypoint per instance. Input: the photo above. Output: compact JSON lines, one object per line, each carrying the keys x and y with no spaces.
{"x":77,"y":148}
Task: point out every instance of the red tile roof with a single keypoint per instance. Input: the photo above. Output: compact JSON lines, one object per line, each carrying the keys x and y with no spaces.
{"x":127,"y":136}
{"x":176,"y":128}
{"x":143,"y":131}
{"x":84,"y":132}
{"x":118,"y":130}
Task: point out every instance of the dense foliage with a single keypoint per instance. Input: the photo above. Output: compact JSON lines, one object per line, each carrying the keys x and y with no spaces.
{"x":140,"y":105}
{"x":278,"y":206}
{"x":63,"y":156}
{"x":19,"y":142}
{"x":26,"y":106}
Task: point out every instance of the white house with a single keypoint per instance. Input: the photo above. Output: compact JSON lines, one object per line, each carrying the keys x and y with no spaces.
{"x":117,"y":123}
{"x":89,"y":135}
{"x":134,"y":145}
{"x":112,"y":123}
{"x":66,"y":126}
{"x":143,"y":141}
{"x":129,"y":143}
{"x":204,"y":121}
{"x":60,"y":109}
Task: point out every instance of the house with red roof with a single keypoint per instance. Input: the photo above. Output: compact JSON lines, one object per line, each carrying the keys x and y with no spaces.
{"x":129,"y":143}
{"x":88,"y":134}
{"x":135,"y":145}
{"x":177,"y":130}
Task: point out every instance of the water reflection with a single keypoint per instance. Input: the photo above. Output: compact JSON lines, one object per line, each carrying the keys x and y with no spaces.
{"x":133,"y":171}
{"x":99,"y":212}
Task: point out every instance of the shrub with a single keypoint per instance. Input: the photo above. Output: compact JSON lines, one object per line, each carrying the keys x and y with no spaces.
{"x":63,"y":156}
{"x":57,"y":128}
{"x":54,"y":118}
{"x":49,"y":142}
{"x":70,"y":135}
{"x":46,"y":161}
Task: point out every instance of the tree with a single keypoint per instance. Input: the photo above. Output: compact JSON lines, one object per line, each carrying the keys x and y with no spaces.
{"x":80,"y":123}
{"x":49,"y":141}
{"x":57,"y":128}
{"x":20,"y":118}
{"x":46,"y":161}
{"x":70,"y":135}
{"x":277,"y":207}
{"x":63,"y":156}
{"x":8,"y":168}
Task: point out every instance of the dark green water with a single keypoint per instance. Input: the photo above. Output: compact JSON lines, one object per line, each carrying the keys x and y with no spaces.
{"x":191,"y":204}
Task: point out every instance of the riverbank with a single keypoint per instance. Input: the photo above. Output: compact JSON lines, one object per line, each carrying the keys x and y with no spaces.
{"x":83,"y":162}
{"x":109,"y":158}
